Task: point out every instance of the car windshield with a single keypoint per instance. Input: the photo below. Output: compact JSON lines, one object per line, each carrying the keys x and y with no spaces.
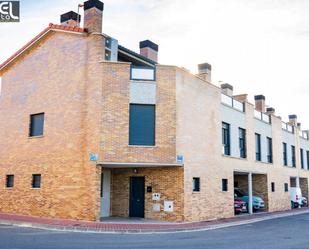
{"x":240,"y":193}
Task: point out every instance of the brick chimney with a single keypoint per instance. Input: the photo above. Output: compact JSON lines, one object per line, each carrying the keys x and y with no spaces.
{"x":227,"y":89}
{"x":149,"y":49}
{"x":293,"y":119}
{"x":204,"y":71}
{"x":93,"y":16}
{"x":260,"y":103}
{"x":270,"y":110}
{"x":70,"y":18}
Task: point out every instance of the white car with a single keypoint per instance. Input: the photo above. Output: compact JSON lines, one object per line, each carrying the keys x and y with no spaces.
{"x":296,"y":197}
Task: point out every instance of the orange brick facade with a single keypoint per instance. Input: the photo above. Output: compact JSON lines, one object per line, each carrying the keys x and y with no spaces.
{"x":86,"y":106}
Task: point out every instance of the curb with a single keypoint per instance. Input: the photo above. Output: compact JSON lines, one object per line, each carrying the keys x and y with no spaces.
{"x":146,"y":231}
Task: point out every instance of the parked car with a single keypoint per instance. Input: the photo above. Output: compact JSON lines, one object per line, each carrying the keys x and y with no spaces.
{"x":304,"y":202}
{"x":257,"y":202}
{"x":240,"y":206}
{"x":296,"y":197}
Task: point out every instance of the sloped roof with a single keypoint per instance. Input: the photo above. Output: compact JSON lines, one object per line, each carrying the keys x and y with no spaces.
{"x":51,"y":27}
{"x":141,"y":57}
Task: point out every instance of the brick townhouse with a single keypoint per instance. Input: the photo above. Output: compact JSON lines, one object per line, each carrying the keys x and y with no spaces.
{"x":91,"y":129}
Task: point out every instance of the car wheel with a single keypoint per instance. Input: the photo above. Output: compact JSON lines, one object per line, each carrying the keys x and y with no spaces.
{"x":294,"y":204}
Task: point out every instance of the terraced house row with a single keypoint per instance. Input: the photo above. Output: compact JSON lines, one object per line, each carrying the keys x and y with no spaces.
{"x":90,"y":129}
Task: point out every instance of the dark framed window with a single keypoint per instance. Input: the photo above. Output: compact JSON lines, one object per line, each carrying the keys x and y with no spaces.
{"x":307,"y":153}
{"x":302,"y":163}
{"x":9,"y":181}
{"x":272,"y":187}
{"x":36,"y":125}
{"x":293,"y":156}
{"x":224,"y":185}
{"x":196,"y":184}
{"x":258,"y":154}
{"x":286,"y":187}
{"x":226,"y":139}
{"x":285,"y":154}
{"x":269,"y":150}
{"x":142,"y":125}
{"x":242,"y":143}
{"x":36,"y":181}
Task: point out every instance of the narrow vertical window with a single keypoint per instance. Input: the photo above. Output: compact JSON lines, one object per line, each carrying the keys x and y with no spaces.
{"x":36,"y":181}
{"x":226,"y":139}
{"x":307,"y":153}
{"x":258,"y":156}
{"x":285,"y":154}
{"x":224,"y":185}
{"x":142,"y":125}
{"x":272,"y":187}
{"x":286,"y":187}
{"x":269,"y":150}
{"x":36,"y":125}
{"x":196,"y":184}
{"x":9,"y":181}
{"x":242,"y":143}
{"x":302,"y":158}
{"x":293,"y":156}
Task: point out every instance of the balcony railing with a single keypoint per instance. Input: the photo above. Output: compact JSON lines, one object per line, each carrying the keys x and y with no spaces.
{"x":262,"y":116}
{"x":303,"y":134}
{"x":287,"y":127}
{"x":143,"y":73}
{"x":227,"y":100}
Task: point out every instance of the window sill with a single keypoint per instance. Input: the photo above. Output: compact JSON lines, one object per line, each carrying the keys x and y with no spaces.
{"x":142,"y":146}
{"x":33,"y":137}
{"x":241,"y":158}
{"x":264,"y":162}
{"x":196,"y":192}
{"x":35,"y":188}
{"x":288,"y":166}
{"x":9,"y":188}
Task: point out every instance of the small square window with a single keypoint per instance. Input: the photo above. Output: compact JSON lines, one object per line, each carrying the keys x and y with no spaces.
{"x":272,"y":187}
{"x":36,"y":181}
{"x":36,"y":125}
{"x":224,"y":185}
{"x":9,"y":181}
{"x":196,"y":184}
{"x":286,"y":187}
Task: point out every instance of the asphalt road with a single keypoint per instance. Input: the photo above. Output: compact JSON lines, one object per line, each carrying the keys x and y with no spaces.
{"x":283,"y":233}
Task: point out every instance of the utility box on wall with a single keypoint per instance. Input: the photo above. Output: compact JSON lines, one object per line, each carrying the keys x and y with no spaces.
{"x":168,"y":206}
{"x":156,"y":196}
{"x":156,"y":207}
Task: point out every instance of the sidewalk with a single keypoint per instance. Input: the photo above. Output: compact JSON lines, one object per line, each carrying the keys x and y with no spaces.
{"x":142,"y":226}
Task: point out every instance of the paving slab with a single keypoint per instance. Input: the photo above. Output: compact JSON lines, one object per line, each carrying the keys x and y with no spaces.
{"x":122,"y":225}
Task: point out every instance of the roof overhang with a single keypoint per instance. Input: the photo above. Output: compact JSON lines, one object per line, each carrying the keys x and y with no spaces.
{"x":246,"y":172}
{"x":137,"y":57}
{"x":116,"y":165}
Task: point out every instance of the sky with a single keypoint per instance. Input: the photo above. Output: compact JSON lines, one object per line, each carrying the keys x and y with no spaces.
{"x":258,"y":46}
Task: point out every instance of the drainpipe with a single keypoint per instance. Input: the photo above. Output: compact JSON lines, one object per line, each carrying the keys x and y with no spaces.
{"x":250,"y":207}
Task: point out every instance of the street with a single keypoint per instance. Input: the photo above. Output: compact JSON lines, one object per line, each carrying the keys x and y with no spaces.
{"x":282,"y":233}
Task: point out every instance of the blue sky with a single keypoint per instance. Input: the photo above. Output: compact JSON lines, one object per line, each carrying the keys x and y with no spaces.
{"x":258,"y":46}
